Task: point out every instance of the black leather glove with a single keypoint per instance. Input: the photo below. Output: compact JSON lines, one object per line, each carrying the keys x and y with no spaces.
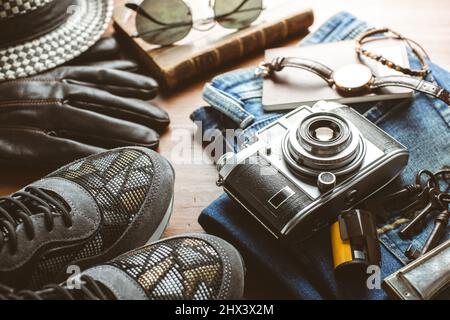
{"x":77,"y":110}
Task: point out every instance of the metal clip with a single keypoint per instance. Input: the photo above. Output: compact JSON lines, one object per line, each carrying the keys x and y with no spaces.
{"x":263,"y":70}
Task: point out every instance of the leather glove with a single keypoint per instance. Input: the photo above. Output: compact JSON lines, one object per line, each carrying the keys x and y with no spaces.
{"x":77,"y":110}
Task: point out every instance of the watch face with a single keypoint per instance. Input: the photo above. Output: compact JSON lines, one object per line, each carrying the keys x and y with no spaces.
{"x":351,"y":78}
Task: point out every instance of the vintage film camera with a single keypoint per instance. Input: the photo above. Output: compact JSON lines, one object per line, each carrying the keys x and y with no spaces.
{"x":306,"y":168}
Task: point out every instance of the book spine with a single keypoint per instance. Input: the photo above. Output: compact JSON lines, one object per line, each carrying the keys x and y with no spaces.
{"x":262,"y":38}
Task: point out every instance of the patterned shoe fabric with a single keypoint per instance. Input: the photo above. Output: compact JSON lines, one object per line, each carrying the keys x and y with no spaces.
{"x":117,"y":200}
{"x":187,"y":267}
{"x":119,"y":181}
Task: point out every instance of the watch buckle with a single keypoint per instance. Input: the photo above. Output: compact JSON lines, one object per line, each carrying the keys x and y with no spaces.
{"x":263,"y":70}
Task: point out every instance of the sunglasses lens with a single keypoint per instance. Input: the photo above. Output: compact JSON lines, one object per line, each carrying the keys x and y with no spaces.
{"x":163,"y":22}
{"x":237,"y":14}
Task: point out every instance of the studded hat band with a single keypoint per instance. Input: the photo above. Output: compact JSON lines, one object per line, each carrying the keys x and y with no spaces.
{"x":23,"y":27}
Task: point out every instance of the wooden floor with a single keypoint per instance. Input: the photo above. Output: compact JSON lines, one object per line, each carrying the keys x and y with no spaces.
{"x":424,"y":21}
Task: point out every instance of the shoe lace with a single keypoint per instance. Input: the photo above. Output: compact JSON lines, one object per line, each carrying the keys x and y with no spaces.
{"x":88,"y":289}
{"x":19,"y":207}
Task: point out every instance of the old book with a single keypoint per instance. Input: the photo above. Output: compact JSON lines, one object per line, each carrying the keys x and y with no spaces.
{"x":293,"y":87}
{"x":200,"y":52}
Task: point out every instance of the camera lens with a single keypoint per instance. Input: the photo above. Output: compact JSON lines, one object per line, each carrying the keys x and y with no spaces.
{"x":324,"y":130}
{"x":323,"y":141}
{"x":323,"y":134}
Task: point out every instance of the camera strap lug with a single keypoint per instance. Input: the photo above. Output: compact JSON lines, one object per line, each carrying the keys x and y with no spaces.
{"x":219,"y":182}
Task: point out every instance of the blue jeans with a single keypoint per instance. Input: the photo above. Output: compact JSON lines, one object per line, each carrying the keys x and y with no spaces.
{"x":422,"y":124}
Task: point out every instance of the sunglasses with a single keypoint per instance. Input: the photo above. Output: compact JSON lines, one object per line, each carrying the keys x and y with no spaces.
{"x":164,"y":22}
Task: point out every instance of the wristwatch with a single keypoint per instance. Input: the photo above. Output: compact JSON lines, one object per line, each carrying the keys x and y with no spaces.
{"x":352,"y":80}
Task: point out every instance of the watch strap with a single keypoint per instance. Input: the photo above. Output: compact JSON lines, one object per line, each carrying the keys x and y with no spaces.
{"x":266,"y":69}
{"x":412,"y":83}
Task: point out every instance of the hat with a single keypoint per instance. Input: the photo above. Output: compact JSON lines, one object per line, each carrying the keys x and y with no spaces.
{"x":37,"y":35}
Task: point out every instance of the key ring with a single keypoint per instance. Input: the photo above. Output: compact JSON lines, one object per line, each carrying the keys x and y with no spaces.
{"x":445,"y":174}
{"x":444,"y":198}
{"x":432,"y":182}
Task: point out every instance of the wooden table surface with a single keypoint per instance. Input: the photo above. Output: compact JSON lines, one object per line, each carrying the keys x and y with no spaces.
{"x":424,"y":21}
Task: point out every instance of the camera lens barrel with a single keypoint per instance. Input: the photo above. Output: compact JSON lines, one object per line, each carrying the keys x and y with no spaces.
{"x":324,"y":135}
{"x":323,"y":141}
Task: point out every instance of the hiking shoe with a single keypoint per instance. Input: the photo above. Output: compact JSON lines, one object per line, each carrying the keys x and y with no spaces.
{"x":189,"y":267}
{"x":84,"y":214}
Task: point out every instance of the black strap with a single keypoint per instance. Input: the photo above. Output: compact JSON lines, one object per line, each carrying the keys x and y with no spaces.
{"x":21,"y":28}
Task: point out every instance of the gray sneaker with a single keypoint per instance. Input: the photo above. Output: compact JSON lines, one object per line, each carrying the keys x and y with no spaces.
{"x":188,"y":267}
{"x":83,"y":214}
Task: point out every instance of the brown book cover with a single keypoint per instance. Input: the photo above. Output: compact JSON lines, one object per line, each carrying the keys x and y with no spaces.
{"x":291,"y":87}
{"x":200,"y":52}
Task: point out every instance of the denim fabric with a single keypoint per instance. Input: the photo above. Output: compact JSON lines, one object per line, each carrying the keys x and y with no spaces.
{"x":422,"y":124}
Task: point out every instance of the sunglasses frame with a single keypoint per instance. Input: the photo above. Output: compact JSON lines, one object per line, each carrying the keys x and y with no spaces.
{"x":198,"y":24}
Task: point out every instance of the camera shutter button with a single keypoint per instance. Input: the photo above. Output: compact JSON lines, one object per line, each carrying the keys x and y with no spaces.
{"x":326,"y":181}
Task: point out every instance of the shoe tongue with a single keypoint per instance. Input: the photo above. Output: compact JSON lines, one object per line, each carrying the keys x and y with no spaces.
{"x":33,"y":206}
{"x":55,"y":197}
